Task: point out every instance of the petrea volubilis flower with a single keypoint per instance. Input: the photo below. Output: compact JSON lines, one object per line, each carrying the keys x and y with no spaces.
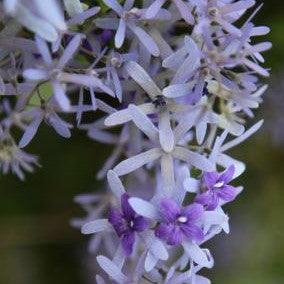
{"x":217,"y":188}
{"x":126,"y":223}
{"x":179,"y":223}
{"x":178,"y":102}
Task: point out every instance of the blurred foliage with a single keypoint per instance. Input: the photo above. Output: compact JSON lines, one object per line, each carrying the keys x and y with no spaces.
{"x":37,"y":245}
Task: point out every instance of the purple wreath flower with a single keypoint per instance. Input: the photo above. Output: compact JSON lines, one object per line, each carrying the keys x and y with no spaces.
{"x":217,"y":188}
{"x":126,"y":223}
{"x":178,"y":223}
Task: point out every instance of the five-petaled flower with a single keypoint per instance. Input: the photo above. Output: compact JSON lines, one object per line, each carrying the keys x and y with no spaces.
{"x":126,"y":223}
{"x":216,"y":186}
{"x":178,"y":223}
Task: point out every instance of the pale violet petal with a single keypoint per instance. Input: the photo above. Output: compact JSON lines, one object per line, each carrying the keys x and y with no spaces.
{"x":196,"y":254}
{"x":166,"y":135}
{"x":115,"y":184}
{"x":96,"y":226}
{"x":111,"y":269}
{"x":138,"y":161}
{"x":144,"y":208}
{"x":142,"y":78}
{"x":143,"y":122}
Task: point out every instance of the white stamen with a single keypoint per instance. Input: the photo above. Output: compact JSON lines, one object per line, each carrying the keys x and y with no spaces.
{"x":182,"y":219}
{"x":219,"y":184}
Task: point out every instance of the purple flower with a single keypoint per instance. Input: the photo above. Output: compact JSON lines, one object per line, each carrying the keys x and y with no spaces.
{"x":179,"y":223}
{"x":217,"y":188}
{"x":126,"y":223}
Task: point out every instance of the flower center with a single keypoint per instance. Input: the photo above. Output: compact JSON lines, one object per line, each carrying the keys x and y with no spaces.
{"x":219,"y":184}
{"x":182,"y":219}
{"x":131,"y":224}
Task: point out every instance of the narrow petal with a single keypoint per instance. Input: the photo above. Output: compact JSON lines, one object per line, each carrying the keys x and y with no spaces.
{"x":146,"y":40}
{"x":30,"y":131}
{"x":166,"y":135}
{"x":60,"y":96}
{"x":114,"y":5}
{"x":115,"y":184}
{"x":196,"y":254}
{"x":144,"y":208}
{"x":227,"y":175}
{"x":142,"y":78}
{"x":35,"y":74}
{"x":195,"y":159}
{"x":69,"y":51}
{"x":120,"y":34}
{"x":44,"y":50}
{"x":111,"y":269}
{"x":154,"y":8}
{"x":96,"y":226}
{"x":138,"y":161}
{"x":143,"y":122}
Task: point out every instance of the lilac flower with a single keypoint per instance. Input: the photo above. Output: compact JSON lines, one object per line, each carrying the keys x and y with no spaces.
{"x":48,"y":114}
{"x":217,"y":188}
{"x":129,"y":17}
{"x":13,"y":159}
{"x":44,"y":18}
{"x":126,"y":223}
{"x":179,"y":223}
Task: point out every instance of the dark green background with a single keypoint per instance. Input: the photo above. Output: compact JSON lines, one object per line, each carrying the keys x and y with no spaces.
{"x":37,"y":245}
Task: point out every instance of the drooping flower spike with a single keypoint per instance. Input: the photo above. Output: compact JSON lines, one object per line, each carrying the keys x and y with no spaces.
{"x":178,"y":102}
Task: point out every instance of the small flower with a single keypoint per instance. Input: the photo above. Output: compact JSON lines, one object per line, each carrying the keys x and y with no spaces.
{"x":126,"y":223}
{"x":179,"y":223}
{"x":217,"y":188}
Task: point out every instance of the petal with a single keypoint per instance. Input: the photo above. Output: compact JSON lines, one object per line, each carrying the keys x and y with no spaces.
{"x":177,"y":90}
{"x":111,"y":269}
{"x":227,"y":175}
{"x":193,"y":232}
{"x":128,"y":241}
{"x":35,"y":74}
{"x":227,"y":193}
{"x":144,"y":208}
{"x":166,"y":135}
{"x":30,"y":131}
{"x":169,"y":210}
{"x":196,"y":254}
{"x":96,"y":226}
{"x":115,"y":184}
{"x":60,"y":96}
{"x":60,"y":126}
{"x":210,"y":179}
{"x":193,"y":212}
{"x":116,"y":219}
{"x":141,"y":77}
{"x":44,"y":50}
{"x":69,"y":51}
{"x":195,"y":159}
{"x":120,"y":34}
{"x":140,"y":224}
{"x":143,"y":122}
{"x":175,"y":237}
{"x":131,"y":164}
{"x":127,"y":210}
{"x":114,"y":5}
{"x":146,"y":40}
{"x":154,"y":8}
{"x":163,"y":231}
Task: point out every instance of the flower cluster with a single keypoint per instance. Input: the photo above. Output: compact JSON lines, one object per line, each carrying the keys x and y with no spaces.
{"x":178,"y":80}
